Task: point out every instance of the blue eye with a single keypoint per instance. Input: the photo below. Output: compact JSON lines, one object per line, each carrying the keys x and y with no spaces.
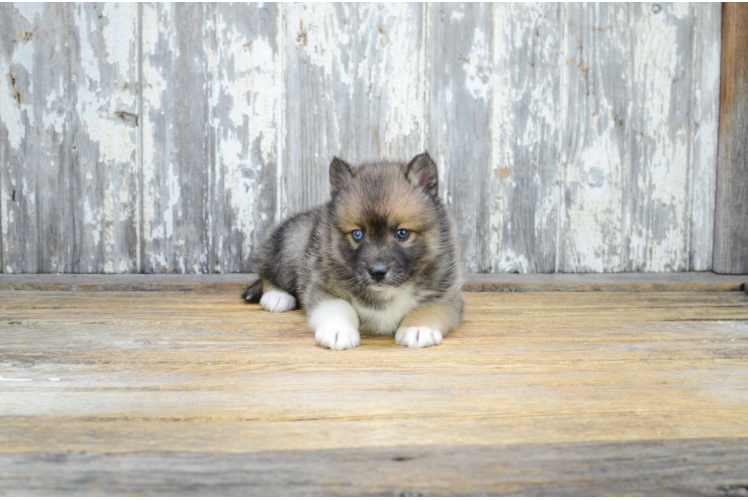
{"x":358,"y":235}
{"x":402,"y":234}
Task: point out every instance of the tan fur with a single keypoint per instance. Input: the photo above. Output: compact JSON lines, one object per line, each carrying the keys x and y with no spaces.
{"x":432,"y":315}
{"x":398,"y":205}
{"x":267,"y":287}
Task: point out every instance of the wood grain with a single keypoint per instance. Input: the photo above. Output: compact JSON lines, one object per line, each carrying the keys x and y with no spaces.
{"x":36,"y":142}
{"x":704,"y":127}
{"x":656,"y":204}
{"x":595,"y":141}
{"x":512,"y":282}
{"x":688,"y":467}
{"x":245,"y":104}
{"x":176,"y":148}
{"x":354,"y":88}
{"x":632,"y":179}
{"x":525,"y":128}
{"x":104,"y":137}
{"x":69,"y":198}
{"x":459,"y":67}
{"x":570,"y":137}
{"x":545,"y":380}
{"x":731,"y":222}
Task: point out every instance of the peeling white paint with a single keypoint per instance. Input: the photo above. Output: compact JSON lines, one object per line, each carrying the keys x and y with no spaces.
{"x":118,"y":35}
{"x":159,"y":262}
{"x":322,"y":37}
{"x":14,"y":114}
{"x":106,"y":88}
{"x":245,"y":104}
{"x":10,"y":111}
{"x":477,"y":73}
{"x":172,"y":202}
{"x":511,"y":262}
{"x":113,"y":137}
{"x":404,"y":97}
{"x":705,"y":64}
{"x":54,"y":114}
{"x":91,"y":222}
{"x":30,"y":10}
{"x":502,"y":155}
{"x":665,"y":143}
{"x":592,"y":238}
{"x":155,"y":89}
{"x":594,"y":212}
{"x":680,"y":10}
{"x":281,"y":209}
{"x":636,"y":180}
{"x":97,"y":106}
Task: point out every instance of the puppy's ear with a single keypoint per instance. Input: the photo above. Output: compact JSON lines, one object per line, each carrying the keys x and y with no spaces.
{"x":422,"y":173}
{"x":340,"y":174}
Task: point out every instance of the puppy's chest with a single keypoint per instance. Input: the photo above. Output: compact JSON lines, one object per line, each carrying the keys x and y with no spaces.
{"x":385,"y":321}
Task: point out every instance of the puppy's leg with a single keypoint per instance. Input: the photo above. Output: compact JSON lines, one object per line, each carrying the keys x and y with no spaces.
{"x":276,"y":300}
{"x":426,"y":325}
{"x":253,"y":293}
{"x":335,"y":324}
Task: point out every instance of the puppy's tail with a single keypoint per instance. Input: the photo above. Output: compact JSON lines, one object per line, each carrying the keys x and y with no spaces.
{"x":254,"y":292}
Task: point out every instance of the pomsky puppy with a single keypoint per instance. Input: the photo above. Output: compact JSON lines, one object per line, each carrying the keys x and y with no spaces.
{"x":380,"y":257}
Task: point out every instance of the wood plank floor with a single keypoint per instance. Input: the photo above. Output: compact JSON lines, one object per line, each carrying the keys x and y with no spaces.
{"x":499,"y":282}
{"x":170,"y":392}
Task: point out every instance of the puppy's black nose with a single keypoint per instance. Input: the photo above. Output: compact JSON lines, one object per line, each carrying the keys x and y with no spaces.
{"x":378,"y":272}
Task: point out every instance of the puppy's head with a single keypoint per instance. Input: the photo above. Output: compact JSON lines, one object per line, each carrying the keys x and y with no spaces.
{"x":385,"y":220}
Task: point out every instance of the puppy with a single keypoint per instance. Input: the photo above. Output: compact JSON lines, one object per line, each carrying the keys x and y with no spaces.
{"x":379,"y":257}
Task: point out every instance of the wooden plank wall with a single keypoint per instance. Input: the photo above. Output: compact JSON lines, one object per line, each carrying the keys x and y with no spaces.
{"x":167,"y":138}
{"x":731,"y":231}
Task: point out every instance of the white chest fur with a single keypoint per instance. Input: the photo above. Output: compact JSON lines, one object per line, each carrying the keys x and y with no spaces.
{"x":401,"y":301}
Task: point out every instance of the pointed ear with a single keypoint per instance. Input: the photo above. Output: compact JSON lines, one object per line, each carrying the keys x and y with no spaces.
{"x":340,"y":174}
{"x":422,"y":173}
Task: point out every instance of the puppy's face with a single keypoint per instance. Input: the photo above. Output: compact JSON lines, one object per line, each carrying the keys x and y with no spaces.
{"x":385,"y":222}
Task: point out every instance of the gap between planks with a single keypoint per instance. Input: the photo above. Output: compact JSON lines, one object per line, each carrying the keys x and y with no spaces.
{"x":603,"y":282}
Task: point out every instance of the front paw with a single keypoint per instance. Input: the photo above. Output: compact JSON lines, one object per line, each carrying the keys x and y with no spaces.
{"x":337,"y":335}
{"x":418,"y":336}
{"x":277,"y":301}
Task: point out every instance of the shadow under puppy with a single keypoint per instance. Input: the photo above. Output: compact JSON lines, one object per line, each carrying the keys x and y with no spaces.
{"x":379,"y":257}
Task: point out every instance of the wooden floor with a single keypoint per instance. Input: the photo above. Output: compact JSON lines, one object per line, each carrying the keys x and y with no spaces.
{"x":564,"y":393}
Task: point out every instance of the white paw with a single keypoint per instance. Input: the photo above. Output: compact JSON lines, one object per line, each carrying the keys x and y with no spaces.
{"x":418,"y":336}
{"x":337,"y":335}
{"x":276,"y":301}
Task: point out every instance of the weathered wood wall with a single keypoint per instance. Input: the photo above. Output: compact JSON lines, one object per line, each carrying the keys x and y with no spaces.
{"x":169,"y":137}
{"x":731,"y":227}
